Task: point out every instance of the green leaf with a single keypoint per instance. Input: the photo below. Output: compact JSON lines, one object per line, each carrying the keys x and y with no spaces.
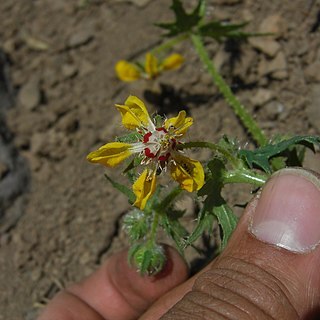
{"x":129,"y":138}
{"x":227,"y":220}
{"x":122,"y":188}
{"x":174,"y":229}
{"x":260,"y":157}
{"x":220,"y":30}
{"x":214,"y":205}
{"x":184,"y":21}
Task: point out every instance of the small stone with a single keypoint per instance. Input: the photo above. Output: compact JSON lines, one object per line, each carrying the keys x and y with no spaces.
{"x":273,"y":24}
{"x":38,"y":142}
{"x":69,"y":70}
{"x":33,"y":161}
{"x":30,"y":94}
{"x":312,"y":73}
{"x":262,"y":97}
{"x":313,"y":108}
{"x":276,"y":67}
{"x":279,"y":63}
{"x":138,"y":3}
{"x":312,"y":161}
{"x":85,"y":68}
{"x":219,"y":59}
{"x":81,"y":37}
{"x":269,"y":47}
{"x":50,"y":77}
{"x":9,"y":46}
{"x":84,"y":258}
{"x":273,"y":109}
{"x":36,"y":274}
{"x":4,"y":169}
{"x":69,"y":123}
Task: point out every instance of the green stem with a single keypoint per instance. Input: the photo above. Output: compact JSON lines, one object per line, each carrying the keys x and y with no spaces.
{"x":154,"y":226}
{"x":247,"y":120}
{"x":214,"y":147}
{"x":170,"y":43}
{"x":245,"y":176}
{"x":162,"y":207}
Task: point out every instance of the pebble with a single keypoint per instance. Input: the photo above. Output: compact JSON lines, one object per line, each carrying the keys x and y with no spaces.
{"x":30,"y":94}
{"x":3,"y":170}
{"x":272,"y":109}
{"x":269,"y":47}
{"x":68,"y":123}
{"x":277,"y":67}
{"x":85,"y":68}
{"x":312,"y":161}
{"x":273,"y":24}
{"x":81,"y":37}
{"x":313,"y":108}
{"x":312,"y":73}
{"x":261,"y":97}
{"x":69,"y":70}
{"x":138,"y":3}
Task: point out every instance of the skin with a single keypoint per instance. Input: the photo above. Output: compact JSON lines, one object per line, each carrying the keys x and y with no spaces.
{"x":251,"y":279}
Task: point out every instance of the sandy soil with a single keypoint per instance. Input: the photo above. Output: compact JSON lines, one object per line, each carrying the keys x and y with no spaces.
{"x":58,"y":216}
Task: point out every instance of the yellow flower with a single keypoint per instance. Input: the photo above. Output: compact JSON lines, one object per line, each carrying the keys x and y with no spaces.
{"x":127,"y":71}
{"x":152,"y":68}
{"x":157,"y":145}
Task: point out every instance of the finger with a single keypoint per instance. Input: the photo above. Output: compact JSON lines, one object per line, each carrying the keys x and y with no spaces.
{"x":270,"y":268}
{"x":116,"y":291}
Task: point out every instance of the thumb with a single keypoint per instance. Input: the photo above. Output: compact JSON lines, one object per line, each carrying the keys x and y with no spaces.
{"x":270,"y":268}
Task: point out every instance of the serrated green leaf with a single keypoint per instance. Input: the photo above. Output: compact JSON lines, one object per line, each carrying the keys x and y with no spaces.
{"x":214,"y":205}
{"x":204,"y":223}
{"x":122,"y":188}
{"x":260,"y":157}
{"x":227,"y":220}
{"x":175,"y":230}
{"x":184,"y":21}
{"x":129,"y":138}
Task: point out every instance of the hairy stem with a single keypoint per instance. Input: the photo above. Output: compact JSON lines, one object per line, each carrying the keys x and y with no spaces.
{"x":246,"y":119}
{"x":245,"y":176}
{"x":214,"y":147}
{"x":170,"y":43}
{"x":154,"y":227}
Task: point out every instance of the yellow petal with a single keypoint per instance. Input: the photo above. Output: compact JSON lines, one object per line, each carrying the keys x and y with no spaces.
{"x":179,"y":124}
{"x":187,"y":172}
{"x":134,"y":113}
{"x":151,"y":65}
{"x":127,"y":71}
{"x":110,"y":154}
{"x":172,"y":62}
{"x":144,"y":188}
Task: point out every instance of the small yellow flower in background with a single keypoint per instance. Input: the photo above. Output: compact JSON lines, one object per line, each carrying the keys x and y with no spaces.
{"x":152,"y":68}
{"x":157,"y":145}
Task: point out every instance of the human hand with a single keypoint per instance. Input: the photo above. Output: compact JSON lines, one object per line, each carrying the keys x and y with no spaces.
{"x":269,"y":270}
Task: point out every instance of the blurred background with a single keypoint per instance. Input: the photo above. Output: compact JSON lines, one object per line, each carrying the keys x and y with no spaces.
{"x":59,"y":218}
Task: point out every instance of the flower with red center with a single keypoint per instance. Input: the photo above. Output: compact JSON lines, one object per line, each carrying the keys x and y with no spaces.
{"x":157,"y":144}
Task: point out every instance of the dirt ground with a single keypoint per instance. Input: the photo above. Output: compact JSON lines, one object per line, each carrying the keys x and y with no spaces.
{"x":58,"y":216}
